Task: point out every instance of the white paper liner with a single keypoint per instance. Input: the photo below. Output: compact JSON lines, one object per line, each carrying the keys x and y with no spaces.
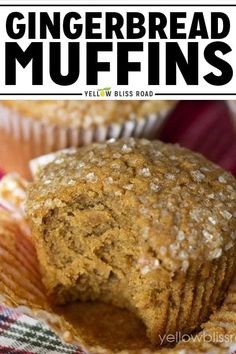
{"x":232,"y":107}
{"x":46,"y":138}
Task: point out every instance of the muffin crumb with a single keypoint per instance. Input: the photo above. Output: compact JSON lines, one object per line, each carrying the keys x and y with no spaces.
{"x":143,"y":231}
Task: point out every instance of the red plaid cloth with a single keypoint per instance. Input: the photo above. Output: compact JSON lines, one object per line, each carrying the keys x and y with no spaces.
{"x":202,"y":126}
{"x":205,"y":127}
{"x":20,"y":334}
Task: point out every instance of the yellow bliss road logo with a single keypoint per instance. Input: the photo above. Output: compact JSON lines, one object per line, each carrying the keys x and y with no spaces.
{"x":106,"y":91}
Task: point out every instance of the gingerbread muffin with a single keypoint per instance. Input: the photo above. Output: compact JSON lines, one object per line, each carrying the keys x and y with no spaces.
{"x":141,"y":225}
{"x":33,"y":128}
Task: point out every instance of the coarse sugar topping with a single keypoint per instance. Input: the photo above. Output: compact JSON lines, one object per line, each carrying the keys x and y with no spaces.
{"x":83,"y":113}
{"x":180,"y":205}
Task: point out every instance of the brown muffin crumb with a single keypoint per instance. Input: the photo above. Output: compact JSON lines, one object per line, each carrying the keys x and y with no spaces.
{"x":138,"y":224}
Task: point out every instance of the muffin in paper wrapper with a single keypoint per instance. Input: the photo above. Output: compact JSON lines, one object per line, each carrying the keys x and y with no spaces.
{"x":85,"y":328}
{"x":30,"y":137}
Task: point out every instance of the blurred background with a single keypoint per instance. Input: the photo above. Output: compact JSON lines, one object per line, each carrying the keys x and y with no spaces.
{"x":207,"y":127}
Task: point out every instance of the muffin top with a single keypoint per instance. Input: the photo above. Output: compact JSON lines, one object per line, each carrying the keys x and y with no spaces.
{"x":86,"y":113}
{"x":179,"y":203}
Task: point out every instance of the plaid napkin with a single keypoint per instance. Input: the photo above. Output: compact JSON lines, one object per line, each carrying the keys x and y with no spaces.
{"x":203,"y":126}
{"x":21,"y":334}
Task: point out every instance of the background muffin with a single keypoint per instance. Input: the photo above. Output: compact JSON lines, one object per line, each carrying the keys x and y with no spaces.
{"x":142,"y":225}
{"x":33,"y":128}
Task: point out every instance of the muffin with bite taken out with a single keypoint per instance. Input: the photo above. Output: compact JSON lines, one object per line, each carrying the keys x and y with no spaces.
{"x":141,"y":225}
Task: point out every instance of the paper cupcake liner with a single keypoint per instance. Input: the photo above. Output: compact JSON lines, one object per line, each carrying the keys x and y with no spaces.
{"x":30,"y":138}
{"x":56,"y":137}
{"x":21,"y":288}
{"x":232,"y":107}
{"x":190,"y":292}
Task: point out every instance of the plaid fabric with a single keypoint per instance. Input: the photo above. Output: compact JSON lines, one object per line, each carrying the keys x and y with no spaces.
{"x":205,"y":127}
{"x":20,"y":334}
